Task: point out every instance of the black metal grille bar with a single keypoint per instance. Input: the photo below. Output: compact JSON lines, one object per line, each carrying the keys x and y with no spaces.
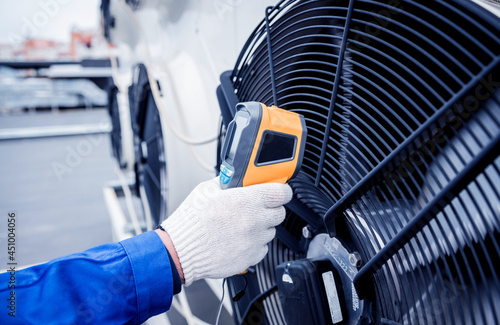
{"x":338,"y":72}
{"x":270,"y":55}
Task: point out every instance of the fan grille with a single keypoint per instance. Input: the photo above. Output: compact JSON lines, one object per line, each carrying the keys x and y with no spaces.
{"x":115,"y":135}
{"x":150,"y":162}
{"x":402,"y":107}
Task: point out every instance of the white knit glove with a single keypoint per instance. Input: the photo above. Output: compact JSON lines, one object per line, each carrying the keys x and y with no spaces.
{"x":218,"y":233}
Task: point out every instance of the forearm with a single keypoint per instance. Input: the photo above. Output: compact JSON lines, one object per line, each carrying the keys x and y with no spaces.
{"x":165,"y":238}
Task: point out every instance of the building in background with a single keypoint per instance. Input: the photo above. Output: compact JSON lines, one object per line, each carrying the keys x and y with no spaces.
{"x":84,"y":44}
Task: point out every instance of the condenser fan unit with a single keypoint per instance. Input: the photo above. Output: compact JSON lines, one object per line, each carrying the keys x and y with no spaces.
{"x":150,"y":164}
{"x":108,"y":21}
{"x":396,"y":210}
{"x":116,"y":132}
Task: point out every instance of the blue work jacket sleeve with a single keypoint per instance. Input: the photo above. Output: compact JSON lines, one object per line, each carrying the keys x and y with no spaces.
{"x":117,"y":283}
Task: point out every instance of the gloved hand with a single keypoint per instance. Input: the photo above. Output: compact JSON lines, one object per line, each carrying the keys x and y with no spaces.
{"x":218,"y":233}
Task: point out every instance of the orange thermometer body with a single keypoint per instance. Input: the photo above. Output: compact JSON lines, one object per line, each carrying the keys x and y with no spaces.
{"x":263,"y":145}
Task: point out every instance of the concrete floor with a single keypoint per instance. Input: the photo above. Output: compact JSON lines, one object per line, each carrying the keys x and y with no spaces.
{"x":60,"y":206}
{"x":58,"y":198}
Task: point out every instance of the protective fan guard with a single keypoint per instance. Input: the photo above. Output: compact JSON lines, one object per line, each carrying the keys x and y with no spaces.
{"x":150,"y":160}
{"x":108,"y":20}
{"x":116,"y":132}
{"x":371,"y":106}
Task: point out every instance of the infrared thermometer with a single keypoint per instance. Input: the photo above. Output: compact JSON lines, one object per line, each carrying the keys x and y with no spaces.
{"x":263,"y":145}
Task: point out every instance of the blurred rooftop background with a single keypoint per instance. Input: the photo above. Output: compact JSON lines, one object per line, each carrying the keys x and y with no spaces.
{"x":49,"y":30}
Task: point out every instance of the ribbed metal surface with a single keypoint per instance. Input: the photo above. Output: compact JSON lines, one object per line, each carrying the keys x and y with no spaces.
{"x":402,"y":107}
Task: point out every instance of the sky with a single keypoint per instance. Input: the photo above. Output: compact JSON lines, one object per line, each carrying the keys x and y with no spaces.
{"x":47,"y":19}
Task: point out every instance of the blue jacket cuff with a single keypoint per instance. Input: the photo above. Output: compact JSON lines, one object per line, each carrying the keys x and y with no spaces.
{"x":152,"y":274}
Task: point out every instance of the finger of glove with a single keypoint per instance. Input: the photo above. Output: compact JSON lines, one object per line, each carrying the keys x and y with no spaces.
{"x":271,"y":217}
{"x":260,"y":254}
{"x":274,"y":194}
{"x":268,"y":235}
